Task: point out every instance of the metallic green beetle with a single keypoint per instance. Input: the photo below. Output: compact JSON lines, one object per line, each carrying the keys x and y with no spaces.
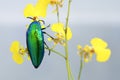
{"x":35,"y":42}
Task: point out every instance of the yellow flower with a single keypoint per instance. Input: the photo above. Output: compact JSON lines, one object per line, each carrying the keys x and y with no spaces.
{"x":56,"y":2}
{"x":87,"y":57}
{"x":87,"y":49}
{"x":18,"y":52}
{"x":58,"y":28}
{"x":79,"y":47}
{"x":86,"y":52}
{"x":39,"y":10}
{"x":59,"y":39}
{"x":100,"y":47}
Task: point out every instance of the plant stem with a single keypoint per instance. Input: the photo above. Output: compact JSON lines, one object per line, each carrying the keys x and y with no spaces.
{"x":71,"y":72}
{"x":67,"y":57}
{"x":68,"y":13}
{"x":81,"y":67}
{"x":58,"y":53}
{"x":66,"y":43}
{"x":68,"y":70}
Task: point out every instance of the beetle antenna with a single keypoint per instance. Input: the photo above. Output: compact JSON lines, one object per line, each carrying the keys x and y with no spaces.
{"x":42,"y":21}
{"x":30,"y":18}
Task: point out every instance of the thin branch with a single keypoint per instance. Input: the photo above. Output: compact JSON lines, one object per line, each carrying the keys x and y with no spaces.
{"x":58,"y":53}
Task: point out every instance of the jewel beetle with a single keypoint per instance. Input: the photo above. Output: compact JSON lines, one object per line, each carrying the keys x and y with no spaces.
{"x":35,"y":42}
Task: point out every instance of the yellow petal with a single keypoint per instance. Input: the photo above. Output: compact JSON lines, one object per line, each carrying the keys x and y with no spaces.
{"x":97,"y":42}
{"x":69,"y":33}
{"x":87,"y":48}
{"x":39,"y":10}
{"x":41,"y":7}
{"x":99,"y":46}
{"x":14,"y":47}
{"x":17,"y":58}
{"x":59,"y":28}
{"x":29,"y":11}
{"x":102,"y":55}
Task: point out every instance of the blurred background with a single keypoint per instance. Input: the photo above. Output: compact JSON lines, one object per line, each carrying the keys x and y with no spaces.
{"x":88,"y":19}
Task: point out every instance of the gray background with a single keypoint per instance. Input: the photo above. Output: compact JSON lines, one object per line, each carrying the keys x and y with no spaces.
{"x":88,"y":19}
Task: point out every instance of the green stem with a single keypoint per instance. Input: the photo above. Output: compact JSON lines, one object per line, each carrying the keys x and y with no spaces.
{"x":81,"y":67}
{"x":71,"y":73}
{"x":68,"y":68}
{"x":67,"y":57}
{"x":68,"y":13}
{"x":66,"y":44}
{"x":58,"y":53}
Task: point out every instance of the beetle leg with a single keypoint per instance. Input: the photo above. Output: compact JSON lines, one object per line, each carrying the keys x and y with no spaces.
{"x":46,"y":27}
{"x":47,"y":47}
{"x":48,"y":34}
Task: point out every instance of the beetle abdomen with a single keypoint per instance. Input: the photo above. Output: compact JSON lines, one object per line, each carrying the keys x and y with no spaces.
{"x":35,"y":43}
